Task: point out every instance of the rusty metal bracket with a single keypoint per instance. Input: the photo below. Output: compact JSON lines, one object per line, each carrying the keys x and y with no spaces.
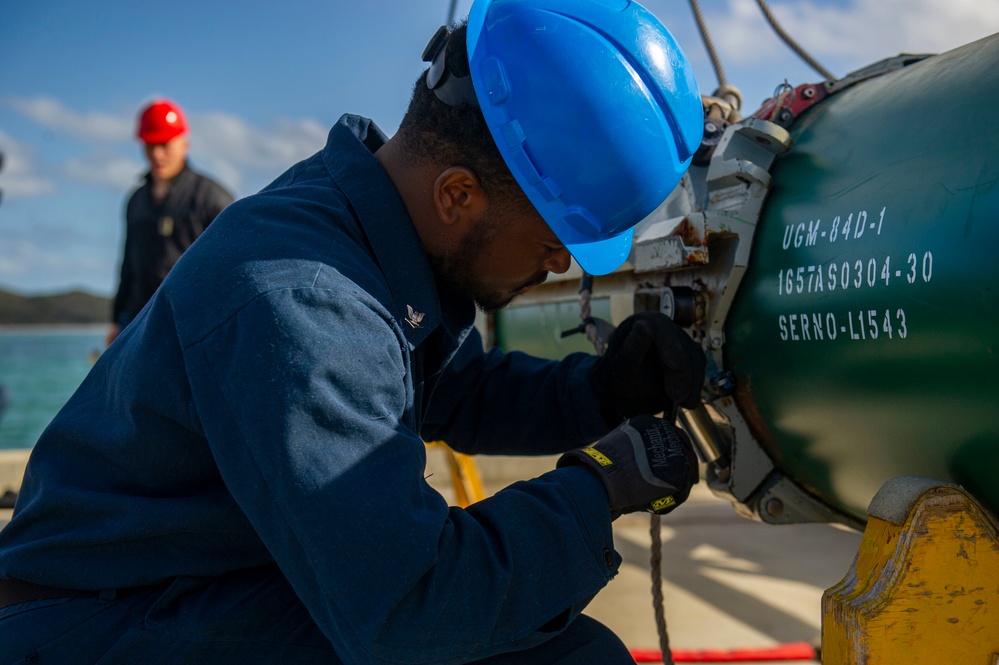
{"x":736,"y":185}
{"x":701,"y":240}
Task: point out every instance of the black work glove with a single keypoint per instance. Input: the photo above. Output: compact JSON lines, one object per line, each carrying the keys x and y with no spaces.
{"x":650,"y":364}
{"x":645,"y":464}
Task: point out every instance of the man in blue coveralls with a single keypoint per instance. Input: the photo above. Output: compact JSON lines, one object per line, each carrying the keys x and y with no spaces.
{"x":240,"y":478}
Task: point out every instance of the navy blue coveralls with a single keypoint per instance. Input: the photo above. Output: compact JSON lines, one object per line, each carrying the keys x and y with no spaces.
{"x":240,"y":478}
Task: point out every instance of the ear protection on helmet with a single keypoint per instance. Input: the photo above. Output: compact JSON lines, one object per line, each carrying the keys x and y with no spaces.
{"x":451,"y":89}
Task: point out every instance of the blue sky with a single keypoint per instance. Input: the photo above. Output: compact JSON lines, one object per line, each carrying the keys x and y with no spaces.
{"x":262,"y":82}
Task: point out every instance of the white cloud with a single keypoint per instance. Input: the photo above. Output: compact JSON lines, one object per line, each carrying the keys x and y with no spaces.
{"x":858,"y":32}
{"x":230,"y":137}
{"x":238,"y":153}
{"x":94,"y":126}
{"x":114,"y":171}
{"x":19,"y":177}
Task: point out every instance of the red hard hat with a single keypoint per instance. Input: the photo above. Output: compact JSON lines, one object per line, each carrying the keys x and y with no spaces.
{"x":160,"y":122}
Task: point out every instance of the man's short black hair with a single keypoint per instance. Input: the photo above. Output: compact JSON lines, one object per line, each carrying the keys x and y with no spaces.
{"x":434,"y":133}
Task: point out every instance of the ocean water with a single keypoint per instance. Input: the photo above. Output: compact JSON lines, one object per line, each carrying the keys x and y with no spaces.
{"x":40,"y":368}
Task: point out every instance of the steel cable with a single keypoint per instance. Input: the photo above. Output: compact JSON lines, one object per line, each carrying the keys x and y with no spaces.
{"x":655,"y":527}
{"x":793,"y":45}
{"x":708,"y":44}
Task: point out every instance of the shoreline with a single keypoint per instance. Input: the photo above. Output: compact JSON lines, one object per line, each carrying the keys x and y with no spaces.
{"x":52,"y":327}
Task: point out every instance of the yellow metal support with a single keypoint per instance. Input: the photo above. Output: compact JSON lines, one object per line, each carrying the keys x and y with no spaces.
{"x":465,"y":478}
{"x":924,"y":587}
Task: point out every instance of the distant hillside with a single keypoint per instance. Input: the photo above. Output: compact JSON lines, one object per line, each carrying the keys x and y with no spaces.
{"x":73,"y":307}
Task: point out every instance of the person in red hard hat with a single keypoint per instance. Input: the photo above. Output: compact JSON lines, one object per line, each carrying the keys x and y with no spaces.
{"x":165,"y":214}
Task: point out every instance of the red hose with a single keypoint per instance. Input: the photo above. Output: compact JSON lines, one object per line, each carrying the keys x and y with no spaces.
{"x":789,"y":651}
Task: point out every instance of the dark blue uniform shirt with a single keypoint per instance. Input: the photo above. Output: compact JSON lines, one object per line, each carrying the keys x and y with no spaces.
{"x":270,"y":405}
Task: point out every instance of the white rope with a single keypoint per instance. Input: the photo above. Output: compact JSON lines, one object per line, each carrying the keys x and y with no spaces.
{"x":655,"y":526}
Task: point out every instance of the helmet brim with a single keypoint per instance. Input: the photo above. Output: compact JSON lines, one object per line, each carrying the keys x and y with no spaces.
{"x":161,"y":137}
{"x":601,"y":257}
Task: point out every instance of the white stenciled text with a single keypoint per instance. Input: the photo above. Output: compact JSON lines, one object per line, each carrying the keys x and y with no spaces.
{"x":853,"y":226}
{"x":856,"y":325}
{"x":860,"y":273}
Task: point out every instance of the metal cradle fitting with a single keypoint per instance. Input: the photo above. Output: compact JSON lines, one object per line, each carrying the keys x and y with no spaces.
{"x":700,"y":240}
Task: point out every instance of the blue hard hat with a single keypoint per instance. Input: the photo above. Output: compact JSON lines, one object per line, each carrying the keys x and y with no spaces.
{"x":594,"y":108}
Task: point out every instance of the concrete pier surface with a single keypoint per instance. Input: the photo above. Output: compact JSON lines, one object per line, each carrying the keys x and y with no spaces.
{"x":729,"y":582}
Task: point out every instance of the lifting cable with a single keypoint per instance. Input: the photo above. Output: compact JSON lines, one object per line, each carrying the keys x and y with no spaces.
{"x":796,"y":651}
{"x":702,"y":27}
{"x":450,"y":13}
{"x":589,"y":327}
{"x":793,"y":45}
{"x":765,"y":8}
{"x":655,"y":562}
